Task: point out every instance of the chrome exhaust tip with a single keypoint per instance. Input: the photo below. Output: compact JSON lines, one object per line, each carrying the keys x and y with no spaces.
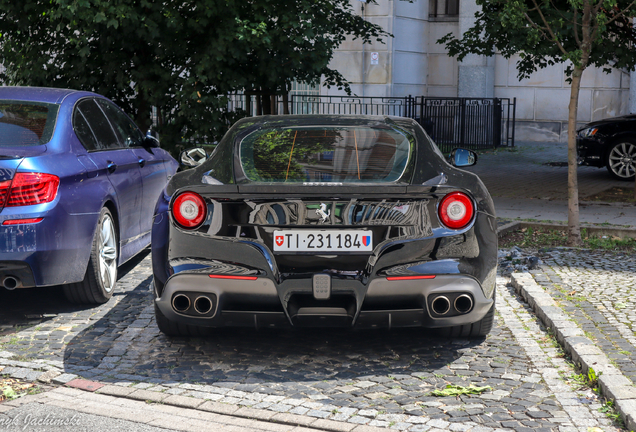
{"x":11,"y":283}
{"x":203,"y":305}
{"x":441,"y":305}
{"x":463,"y":304}
{"x":181,"y":303}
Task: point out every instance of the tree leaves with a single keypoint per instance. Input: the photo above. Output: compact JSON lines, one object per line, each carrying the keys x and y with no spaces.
{"x":143,"y":53}
{"x":521,"y":27}
{"x":457,"y":390}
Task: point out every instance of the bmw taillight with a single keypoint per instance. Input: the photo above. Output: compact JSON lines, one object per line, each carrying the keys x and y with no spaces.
{"x":28,"y":189}
{"x":4,"y":191}
{"x":189,"y":210}
{"x":456,"y":210}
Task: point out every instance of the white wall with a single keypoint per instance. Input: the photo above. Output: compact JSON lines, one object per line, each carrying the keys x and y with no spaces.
{"x":543,"y":99}
{"x":412,"y":63}
{"x":402,"y":63}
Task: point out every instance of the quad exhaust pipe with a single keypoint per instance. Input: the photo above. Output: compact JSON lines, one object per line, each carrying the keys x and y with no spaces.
{"x":441,"y":305}
{"x":202,"y":305}
{"x":181,"y":303}
{"x":463,"y":304}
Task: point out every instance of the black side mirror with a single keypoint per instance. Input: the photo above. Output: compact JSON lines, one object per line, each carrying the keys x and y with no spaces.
{"x":460,"y":157}
{"x":151,"y":139}
{"x":193,"y":157}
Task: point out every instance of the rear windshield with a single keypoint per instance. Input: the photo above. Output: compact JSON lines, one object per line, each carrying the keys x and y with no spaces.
{"x":25,"y":123}
{"x":354,"y":154}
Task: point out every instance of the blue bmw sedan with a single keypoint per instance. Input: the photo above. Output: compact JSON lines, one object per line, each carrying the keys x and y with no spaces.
{"x":78,"y":186}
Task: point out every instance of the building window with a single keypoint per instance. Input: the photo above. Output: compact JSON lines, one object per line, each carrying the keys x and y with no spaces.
{"x":443,"y":9}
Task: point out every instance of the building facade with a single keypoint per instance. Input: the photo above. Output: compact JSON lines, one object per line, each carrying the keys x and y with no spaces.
{"x":413,"y":63}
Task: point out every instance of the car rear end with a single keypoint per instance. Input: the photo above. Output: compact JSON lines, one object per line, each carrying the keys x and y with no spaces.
{"x":34,"y":228}
{"x":324,"y":226}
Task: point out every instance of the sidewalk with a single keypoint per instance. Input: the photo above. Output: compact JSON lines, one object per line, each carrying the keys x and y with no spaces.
{"x":524,"y":187}
{"x":80,"y":411}
{"x":585,"y":297}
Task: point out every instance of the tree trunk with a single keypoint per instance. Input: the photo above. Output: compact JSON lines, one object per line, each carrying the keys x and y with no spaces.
{"x":143,"y":110}
{"x":266,"y":104}
{"x":574,"y":226}
{"x":274,"y":107}
{"x":259,"y":106}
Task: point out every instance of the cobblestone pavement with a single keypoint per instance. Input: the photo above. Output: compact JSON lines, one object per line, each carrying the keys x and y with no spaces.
{"x":598,"y":290}
{"x":376,"y":378}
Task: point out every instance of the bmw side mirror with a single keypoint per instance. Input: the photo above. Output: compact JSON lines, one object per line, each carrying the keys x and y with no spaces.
{"x":460,"y":157}
{"x":193,"y":157}
{"x":151,"y":139}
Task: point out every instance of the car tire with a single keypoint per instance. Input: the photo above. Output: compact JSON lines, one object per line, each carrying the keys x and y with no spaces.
{"x":477,"y":329}
{"x":621,"y":160}
{"x":173,"y":328}
{"x":100,"y":278}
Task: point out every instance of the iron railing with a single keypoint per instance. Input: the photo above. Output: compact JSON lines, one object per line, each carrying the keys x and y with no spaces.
{"x":471,"y":123}
{"x":362,"y":105}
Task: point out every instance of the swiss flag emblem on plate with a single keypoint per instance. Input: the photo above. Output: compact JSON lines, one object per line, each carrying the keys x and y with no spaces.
{"x":280,"y":240}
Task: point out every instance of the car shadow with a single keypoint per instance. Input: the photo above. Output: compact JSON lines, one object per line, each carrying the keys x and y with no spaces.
{"x":29,"y":307}
{"x":126,"y":346}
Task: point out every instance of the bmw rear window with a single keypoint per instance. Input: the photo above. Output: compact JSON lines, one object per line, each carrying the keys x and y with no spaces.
{"x":343,"y":154}
{"x":24,"y":123}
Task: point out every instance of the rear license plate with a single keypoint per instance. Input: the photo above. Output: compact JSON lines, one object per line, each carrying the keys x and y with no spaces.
{"x":323,"y":241}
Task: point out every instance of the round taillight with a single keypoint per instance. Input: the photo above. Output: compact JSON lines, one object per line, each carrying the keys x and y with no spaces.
{"x":189,"y":210}
{"x":456,"y":210}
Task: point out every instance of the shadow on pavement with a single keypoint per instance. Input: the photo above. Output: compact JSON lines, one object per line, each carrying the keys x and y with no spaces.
{"x":126,"y":345}
{"x":23,"y":308}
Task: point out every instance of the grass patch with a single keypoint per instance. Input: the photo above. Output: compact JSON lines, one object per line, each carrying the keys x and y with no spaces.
{"x":549,"y":237}
{"x":617,"y":194}
{"x":610,"y":411}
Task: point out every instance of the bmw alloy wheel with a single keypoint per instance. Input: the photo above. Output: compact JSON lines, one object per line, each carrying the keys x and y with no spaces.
{"x":622,"y":160}
{"x":107,"y":254}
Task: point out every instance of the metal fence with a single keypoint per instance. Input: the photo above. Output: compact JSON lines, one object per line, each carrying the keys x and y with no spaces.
{"x":451,"y":122}
{"x":467,"y":122}
{"x":391,"y":106}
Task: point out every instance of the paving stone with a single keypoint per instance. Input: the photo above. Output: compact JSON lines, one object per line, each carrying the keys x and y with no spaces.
{"x":181,"y":401}
{"x":115,"y":390}
{"x":64,"y":378}
{"x":372,"y":382}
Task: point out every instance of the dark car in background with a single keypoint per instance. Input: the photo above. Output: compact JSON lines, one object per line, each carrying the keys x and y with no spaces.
{"x":325,"y":221}
{"x":78,"y":185}
{"x":609,"y":143}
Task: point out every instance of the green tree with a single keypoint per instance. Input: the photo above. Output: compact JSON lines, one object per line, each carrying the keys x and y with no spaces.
{"x":182,"y":57}
{"x":580,"y":33}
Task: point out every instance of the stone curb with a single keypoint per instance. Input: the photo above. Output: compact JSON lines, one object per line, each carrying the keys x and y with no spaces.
{"x":613,"y":384}
{"x":296,"y":420}
{"x":504,"y":229}
{"x":591,"y":229}
{"x":33,"y":371}
{"x":237,"y":411}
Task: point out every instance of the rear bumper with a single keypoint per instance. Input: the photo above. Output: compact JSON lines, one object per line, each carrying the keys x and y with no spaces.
{"x":381,"y":304}
{"x":52,"y":252}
